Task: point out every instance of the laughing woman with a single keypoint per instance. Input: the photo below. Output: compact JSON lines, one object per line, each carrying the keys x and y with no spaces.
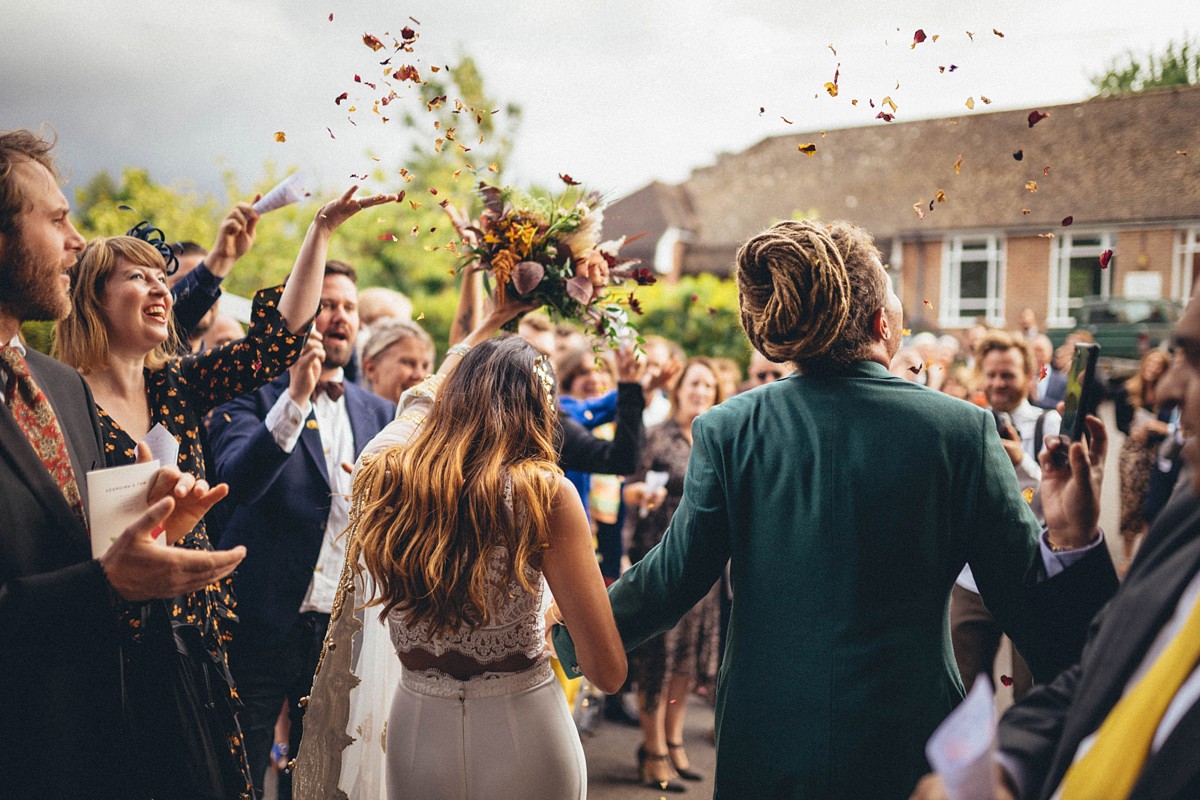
{"x":120,"y":336}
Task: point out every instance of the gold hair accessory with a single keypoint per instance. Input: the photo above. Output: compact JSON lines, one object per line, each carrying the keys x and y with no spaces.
{"x":545,"y":373}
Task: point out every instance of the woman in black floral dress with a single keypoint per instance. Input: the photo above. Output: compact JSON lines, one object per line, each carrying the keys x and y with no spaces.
{"x":120,"y":336}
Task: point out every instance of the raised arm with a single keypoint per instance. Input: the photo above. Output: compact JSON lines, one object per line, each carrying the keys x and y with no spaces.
{"x":302,"y":294}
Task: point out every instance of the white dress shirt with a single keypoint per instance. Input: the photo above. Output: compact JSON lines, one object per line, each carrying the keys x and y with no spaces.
{"x":286,"y":422}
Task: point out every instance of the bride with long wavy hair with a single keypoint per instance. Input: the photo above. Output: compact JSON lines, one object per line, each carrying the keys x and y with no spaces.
{"x":460,"y":520}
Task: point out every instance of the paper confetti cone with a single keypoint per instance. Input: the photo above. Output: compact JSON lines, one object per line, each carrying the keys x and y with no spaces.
{"x":290,"y":190}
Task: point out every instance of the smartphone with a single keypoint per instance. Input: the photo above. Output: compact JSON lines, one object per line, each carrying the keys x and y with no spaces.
{"x":1081,"y":397}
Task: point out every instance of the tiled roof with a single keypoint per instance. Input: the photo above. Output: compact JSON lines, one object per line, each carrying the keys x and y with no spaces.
{"x":1111,"y":160}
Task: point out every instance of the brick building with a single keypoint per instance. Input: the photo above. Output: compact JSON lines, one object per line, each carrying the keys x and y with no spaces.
{"x":1125,"y":169}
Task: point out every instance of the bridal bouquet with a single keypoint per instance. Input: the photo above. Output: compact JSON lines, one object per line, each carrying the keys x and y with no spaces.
{"x":547,"y":250}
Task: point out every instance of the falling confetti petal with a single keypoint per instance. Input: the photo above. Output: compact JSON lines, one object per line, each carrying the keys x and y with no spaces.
{"x":1006,"y":680}
{"x":998,"y":33}
{"x":918,"y":37}
{"x":970,"y":102}
{"x":985,"y":100}
{"x":1031,"y":186}
{"x":1046,"y":171}
{"x":832,"y":88}
{"x":940,"y":196}
{"x":1046,"y":235}
{"x":809,"y":149}
{"x":372,"y":42}
{"x":1105,"y":258}
{"x":1036,"y":116}
{"x":1019,"y":155}
{"x":337,"y":101}
{"x":1181,"y":152}
{"x":1067,"y":220}
{"x":1026,"y":211}
{"x":958,"y":164}
{"x":567,"y":179}
{"x":280,"y":136}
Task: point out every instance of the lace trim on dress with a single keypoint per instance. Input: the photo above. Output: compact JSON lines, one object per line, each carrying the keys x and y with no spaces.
{"x":436,"y":683}
{"x":515,"y":627}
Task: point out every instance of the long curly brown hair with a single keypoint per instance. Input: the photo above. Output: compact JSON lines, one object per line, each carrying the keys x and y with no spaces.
{"x":429,"y":514}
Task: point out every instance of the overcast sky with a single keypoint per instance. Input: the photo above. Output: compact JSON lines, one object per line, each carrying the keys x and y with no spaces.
{"x":615,"y":93}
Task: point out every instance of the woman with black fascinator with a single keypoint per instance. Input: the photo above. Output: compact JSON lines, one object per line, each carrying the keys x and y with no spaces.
{"x":121,"y":336}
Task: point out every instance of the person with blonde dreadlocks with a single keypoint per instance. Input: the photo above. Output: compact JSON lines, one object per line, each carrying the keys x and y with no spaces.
{"x":847,"y":500}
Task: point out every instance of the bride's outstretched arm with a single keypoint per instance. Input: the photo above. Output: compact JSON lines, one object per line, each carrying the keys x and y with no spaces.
{"x":574,"y":576}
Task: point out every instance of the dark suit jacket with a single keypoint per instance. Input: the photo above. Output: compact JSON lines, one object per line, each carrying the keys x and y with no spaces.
{"x":1042,"y":732}
{"x":60,"y":714}
{"x":847,"y":505}
{"x":278,"y":502}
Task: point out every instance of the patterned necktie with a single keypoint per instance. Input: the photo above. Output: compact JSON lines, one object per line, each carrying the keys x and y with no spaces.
{"x":35,"y":416}
{"x":1112,"y":766}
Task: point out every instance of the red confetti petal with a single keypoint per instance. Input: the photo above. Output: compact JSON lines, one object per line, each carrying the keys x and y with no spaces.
{"x":883,"y":115}
{"x":372,"y":42}
{"x":1046,"y":171}
{"x":337,"y":101}
{"x":387,"y":237}
{"x":331,"y":17}
{"x":1019,"y":155}
{"x":408,"y":34}
{"x":1067,"y":220}
{"x":1105,"y":258}
{"x":331,"y":136}
{"x":1006,"y":680}
{"x":918,"y":37}
{"x":567,"y":179}
{"x":1036,"y":116}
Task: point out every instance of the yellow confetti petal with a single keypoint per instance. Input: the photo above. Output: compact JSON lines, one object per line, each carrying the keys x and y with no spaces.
{"x":887,"y":101}
{"x":986,"y":101}
{"x":420,"y":316}
{"x":809,"y":149}
{"x":280,"y":136}
{"x":832,"y":88}
{"x":958,"y":164}
{"x":493,"y":167}
{"x":1031,"y":186}
{"x":970,"y":102}
{"x":940,"y":196}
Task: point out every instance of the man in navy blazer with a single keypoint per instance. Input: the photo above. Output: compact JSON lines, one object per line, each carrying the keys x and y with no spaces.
{"x":286,"y":452}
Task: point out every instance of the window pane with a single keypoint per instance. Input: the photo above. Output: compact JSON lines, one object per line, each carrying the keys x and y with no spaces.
{"x":973,"y":279}
{"x":1085,"y":277}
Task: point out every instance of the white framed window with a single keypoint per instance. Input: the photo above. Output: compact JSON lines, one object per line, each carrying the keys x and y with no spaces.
{"x":972,"y":281}
{"x":1187,"y":262}
{"x":1075,"y":273}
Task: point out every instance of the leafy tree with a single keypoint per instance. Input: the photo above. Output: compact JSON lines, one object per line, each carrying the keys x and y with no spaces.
{"x":1177,"y":65}
{"x":700,"y":312}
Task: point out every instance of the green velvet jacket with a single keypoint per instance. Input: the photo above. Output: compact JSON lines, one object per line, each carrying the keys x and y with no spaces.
{"x":847,"y":504}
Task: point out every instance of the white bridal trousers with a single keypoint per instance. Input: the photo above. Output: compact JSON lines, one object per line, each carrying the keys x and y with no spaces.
{"x":494,"y":737}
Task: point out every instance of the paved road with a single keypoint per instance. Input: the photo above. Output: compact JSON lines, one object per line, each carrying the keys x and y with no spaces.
{"x":612,"y":763}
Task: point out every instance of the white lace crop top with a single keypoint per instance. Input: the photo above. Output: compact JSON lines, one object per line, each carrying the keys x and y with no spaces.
{"x":516,"y":626}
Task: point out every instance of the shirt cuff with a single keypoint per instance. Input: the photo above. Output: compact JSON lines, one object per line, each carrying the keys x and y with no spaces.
{"x":206,"y":280}
{"x":1056,"y":562}
{"x":285,"y":421}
